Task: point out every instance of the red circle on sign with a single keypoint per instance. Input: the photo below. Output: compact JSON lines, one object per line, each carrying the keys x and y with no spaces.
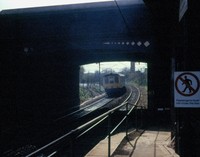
{"x":180,"y":78}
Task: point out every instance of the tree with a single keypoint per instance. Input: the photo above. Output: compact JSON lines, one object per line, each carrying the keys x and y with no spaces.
{"x":125,"y":71}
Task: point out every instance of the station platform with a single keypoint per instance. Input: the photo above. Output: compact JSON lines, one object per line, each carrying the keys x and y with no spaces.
{"x":152,"y":142}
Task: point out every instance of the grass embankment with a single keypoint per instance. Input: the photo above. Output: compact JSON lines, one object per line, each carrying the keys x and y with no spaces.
{"x":87,"y":93}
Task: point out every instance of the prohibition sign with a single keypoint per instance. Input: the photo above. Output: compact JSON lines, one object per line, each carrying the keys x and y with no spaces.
{"x":187,"y":84}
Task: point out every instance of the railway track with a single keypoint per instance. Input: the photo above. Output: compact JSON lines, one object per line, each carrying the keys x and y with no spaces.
{"x":101,"y":105}
{"x":86,"y":143}
{"x":87,"y":109}
{"x":83,"y":142}
{"x":93,"y":110}
{"x":85,"y":114}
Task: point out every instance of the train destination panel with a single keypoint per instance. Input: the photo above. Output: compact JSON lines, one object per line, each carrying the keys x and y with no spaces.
{"x":186,"y":91}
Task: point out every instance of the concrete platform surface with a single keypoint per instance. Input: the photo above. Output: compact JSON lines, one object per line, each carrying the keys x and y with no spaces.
{"x":142,"y":143}
{"x":101,"y":149}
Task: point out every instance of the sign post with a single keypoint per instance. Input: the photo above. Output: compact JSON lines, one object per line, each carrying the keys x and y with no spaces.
{"x":186,"y":89}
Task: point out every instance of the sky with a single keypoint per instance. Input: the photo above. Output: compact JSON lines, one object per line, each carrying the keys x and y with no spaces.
{"x":13,"y":4}
{"x":116,"y":66}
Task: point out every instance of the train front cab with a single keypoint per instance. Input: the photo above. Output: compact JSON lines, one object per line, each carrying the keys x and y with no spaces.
{"x":114,"y":85}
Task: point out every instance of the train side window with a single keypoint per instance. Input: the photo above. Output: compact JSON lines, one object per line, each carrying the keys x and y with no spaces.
{"x":116,"y":79}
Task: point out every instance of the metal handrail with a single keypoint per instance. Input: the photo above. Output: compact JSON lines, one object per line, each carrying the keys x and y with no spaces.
{"x":125,"y":118}
{"x":87,"y":126}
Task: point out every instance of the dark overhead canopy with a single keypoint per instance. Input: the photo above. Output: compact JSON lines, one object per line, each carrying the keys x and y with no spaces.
{"x":107,"y":26}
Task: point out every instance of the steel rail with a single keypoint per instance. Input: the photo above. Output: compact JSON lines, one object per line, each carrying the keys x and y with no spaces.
{"x":86,"y":126}
{"x":81,"y":109}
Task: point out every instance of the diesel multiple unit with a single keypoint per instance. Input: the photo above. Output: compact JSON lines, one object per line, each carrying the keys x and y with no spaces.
{"x":114,"y":84}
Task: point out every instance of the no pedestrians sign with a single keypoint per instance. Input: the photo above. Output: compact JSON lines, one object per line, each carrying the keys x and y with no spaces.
{"x":186,"y":89}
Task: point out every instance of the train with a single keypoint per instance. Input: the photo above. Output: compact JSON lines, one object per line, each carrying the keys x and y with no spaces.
{"x":114,"y":84}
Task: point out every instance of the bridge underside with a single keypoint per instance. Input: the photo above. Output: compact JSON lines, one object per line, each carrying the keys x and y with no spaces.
{"x":43,"y":47}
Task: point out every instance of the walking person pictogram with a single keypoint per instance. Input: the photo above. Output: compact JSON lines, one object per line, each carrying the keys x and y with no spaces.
{"x":187,"y":82}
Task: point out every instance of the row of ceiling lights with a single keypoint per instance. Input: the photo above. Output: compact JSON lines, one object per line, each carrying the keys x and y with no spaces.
{"x":132,"y":43}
